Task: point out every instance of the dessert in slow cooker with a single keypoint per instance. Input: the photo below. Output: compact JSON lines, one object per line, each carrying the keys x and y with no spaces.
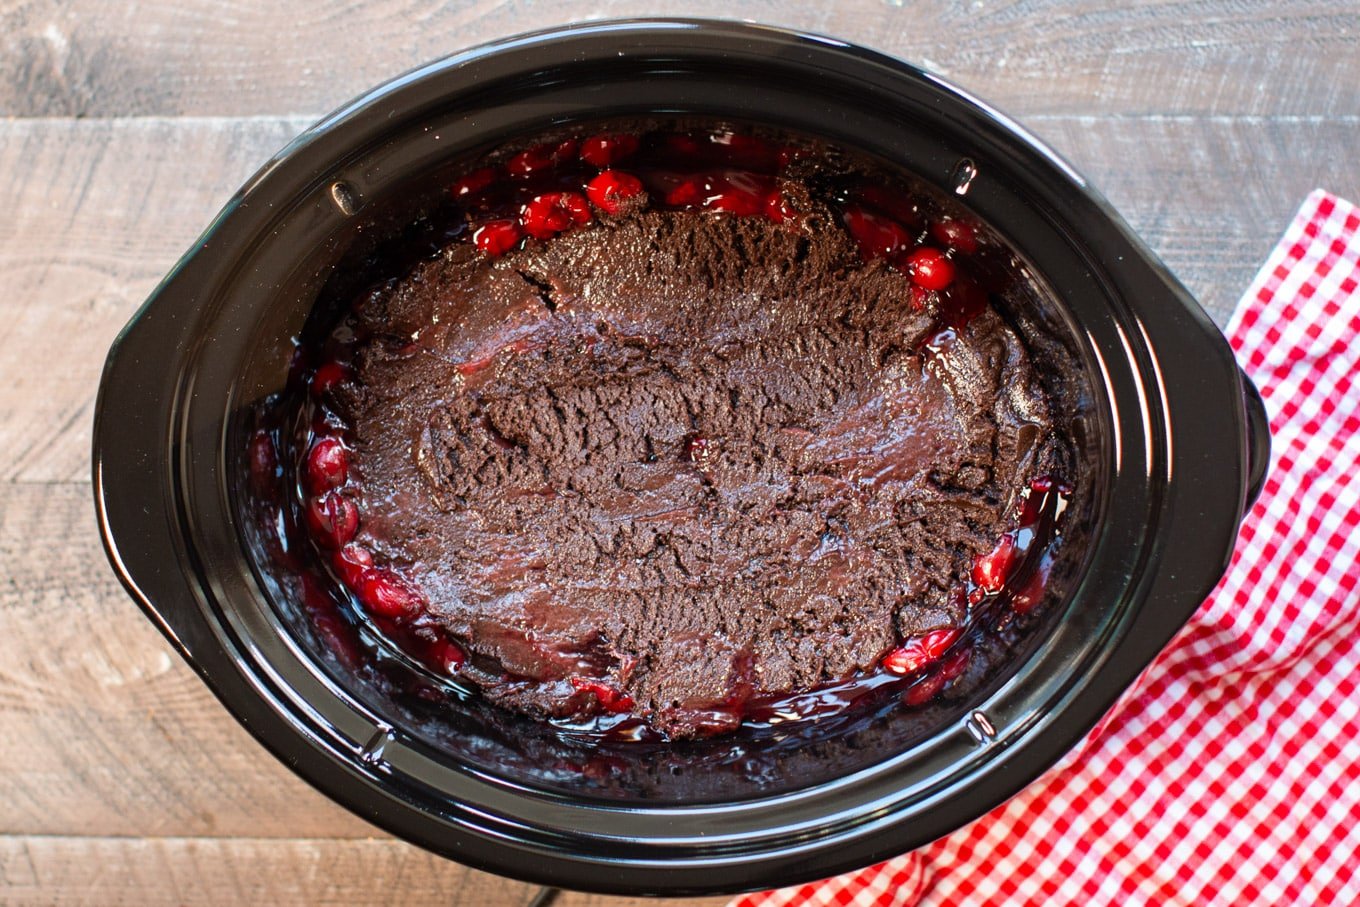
{"x":681,"y":429}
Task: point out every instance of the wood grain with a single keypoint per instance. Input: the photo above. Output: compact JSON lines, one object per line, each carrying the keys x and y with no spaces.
{"x":95,"y":214}
{"x":1209,"y":195}
{"x":103,"y":729}
{"x":195,"y":57}
{"x":160,"y":872}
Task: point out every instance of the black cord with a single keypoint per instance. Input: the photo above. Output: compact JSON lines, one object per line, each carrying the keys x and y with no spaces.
{"x":545,"y":897}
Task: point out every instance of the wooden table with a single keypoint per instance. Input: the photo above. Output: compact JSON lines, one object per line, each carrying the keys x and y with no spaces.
{"x":122,"y":781}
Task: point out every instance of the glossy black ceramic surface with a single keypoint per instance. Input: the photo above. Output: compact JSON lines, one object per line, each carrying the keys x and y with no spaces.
{"x":1178,"y":436}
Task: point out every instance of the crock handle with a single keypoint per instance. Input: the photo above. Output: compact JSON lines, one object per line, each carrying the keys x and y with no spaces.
{"x":132,"y":456}
{"x":1258,"y":441}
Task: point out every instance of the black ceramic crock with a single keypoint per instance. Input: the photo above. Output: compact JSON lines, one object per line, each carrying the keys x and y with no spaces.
{"x":1179,"y":434}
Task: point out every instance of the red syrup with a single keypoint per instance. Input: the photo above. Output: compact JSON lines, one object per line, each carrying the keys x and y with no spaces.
{"x":548,"y":190}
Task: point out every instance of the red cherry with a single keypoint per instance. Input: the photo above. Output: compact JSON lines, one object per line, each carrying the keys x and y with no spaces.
{"x":575,"y":204}
{"x":316,"y":598}
{"x":920,"y":298}
{"x":738,"y":193}
{"x":610,"y":699}
{"x":686,"y":145}
{"x":350,"y":562}
{"x":920,"y":651}
{"x":735,"y":202}
{"x":1028,"y":598}
{"x":924,"y":690}
{"x":1032,"y":508}
{"x":928,"y":687}
{"x":264,"y":462}
{"x":1046,"y":484}
{"x":930,"y":269}
{"x":956,"y":234}
{"x":688,"y":192}
{"x":339,"y":638}
{"x":962,"y":302}
{"x":267,"y":519}
{"x":384,"y":594}
{"x":327,"y":377}
{"x":333,"y":519}
{"x":954,"y":666}
{"x":473,"y":183}
{"x":609,"y":190}
{"x":327,"y":465}
{"x":877,"y":236}
{"x":497,"y":237}
{"x":606,"y":150}
{"x":448,"y":655}
{"x":745,"y":151}
{"x":551,"y":213}
{"x":990,"y":569}
{"x":900,"y":206}
{"x":539,"y":158}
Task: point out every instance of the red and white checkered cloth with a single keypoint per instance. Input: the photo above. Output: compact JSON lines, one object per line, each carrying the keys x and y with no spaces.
{"x":1230,"y":772}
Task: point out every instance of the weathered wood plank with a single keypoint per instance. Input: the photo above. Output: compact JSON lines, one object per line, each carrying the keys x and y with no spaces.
{"x":97,"y":211}
{"x":1209,"y":195}
{"x":149,"y":872}
{"x":194,"y":57}
{"x":103,"y":729}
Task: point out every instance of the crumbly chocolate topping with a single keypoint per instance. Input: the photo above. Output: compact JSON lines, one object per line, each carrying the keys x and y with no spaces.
{"x":691,"y":456}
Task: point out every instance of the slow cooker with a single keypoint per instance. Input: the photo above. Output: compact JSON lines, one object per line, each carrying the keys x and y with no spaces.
{"x":1176,"y":437}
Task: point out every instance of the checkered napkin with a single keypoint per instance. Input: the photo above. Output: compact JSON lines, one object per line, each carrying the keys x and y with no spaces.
{"x":1230,"y":772}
